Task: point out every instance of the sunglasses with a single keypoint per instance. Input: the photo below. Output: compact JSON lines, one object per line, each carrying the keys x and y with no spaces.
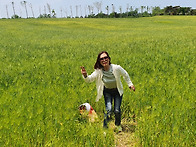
{"x":103,"y":58}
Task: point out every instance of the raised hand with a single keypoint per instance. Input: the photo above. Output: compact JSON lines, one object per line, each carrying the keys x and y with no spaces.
{"x":83,"y":71}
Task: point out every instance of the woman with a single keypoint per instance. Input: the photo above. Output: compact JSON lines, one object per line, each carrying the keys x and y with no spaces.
{"x":108,"y":83}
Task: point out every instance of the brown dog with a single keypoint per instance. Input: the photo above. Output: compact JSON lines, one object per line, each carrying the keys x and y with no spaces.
{"x":86,"y":110}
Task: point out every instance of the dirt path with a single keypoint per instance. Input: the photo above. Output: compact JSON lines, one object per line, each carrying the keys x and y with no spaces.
{"x":126,"y":138}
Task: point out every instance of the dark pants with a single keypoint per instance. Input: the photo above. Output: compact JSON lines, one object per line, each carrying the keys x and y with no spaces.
{"x":109,"y":95}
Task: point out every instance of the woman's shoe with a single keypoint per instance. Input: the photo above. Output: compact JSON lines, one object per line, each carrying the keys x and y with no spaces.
{"x":105,"y":123}
{"x":118,"y":129}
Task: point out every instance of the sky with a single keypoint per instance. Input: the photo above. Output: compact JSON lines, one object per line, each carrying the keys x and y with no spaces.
{"x":64,"y":8}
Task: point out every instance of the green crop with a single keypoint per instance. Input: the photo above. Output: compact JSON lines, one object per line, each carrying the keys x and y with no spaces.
{"x":41,"y":85}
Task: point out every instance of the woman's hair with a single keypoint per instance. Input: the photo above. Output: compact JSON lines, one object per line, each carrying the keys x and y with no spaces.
{"x":97,"y":64}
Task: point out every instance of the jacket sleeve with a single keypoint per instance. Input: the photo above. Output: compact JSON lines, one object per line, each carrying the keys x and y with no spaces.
{"x":91,"y":78}
{"x":125,"y":76}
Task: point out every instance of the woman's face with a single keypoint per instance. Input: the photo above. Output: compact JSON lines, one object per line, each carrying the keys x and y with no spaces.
{"x":104,"y":60}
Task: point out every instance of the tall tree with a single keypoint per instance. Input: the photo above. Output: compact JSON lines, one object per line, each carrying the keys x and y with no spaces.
{"x":148,"y":9}
{"x":157,"y":11}
{"x":40,"y":11}
{"x":13,"y":8}
{"x":49,"y":9}
{"x":61,"y":9}
{"x":7,"y":11}
{"x":80,"y":11}
{"x":32,"y":10}
{"x":107,"y":9}
{"x":71,"y":11}
{"x":169,"y":10}
{"x":98,"y":6}
{"x":92,"y":10}
{"x":142,"y":9}
{"x":131,"y":8}
{"x":89,"y":9}
{"x":53,"y":13}
{"x":85,"y":11}
{"x":120,"y":9}
{"x":44,"y":9}
{"x":127,"y":9}
{"x":113,"y":8}
{"x":24,"y":3}
{"x":65,"y":12}
{"x":76,"y":10}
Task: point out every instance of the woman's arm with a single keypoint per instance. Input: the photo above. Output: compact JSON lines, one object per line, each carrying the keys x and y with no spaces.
{"x":126,"y":78}
{"x":88,"y":78}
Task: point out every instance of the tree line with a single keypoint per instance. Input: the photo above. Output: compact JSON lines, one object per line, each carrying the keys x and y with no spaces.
{"x":143,"y":11}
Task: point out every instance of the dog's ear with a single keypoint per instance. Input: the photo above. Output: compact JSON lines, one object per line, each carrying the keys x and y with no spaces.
{"x":82,"y":107}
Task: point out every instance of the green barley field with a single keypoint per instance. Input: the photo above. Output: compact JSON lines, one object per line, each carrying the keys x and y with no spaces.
{"x":41,"y":85}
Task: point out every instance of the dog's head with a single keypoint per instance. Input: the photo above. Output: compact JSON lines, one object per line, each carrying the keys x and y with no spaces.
{"x":82,"y":109}
{"x":87,"y":112}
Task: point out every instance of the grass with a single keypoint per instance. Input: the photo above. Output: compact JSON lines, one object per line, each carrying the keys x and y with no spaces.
{"x":41,"y":84}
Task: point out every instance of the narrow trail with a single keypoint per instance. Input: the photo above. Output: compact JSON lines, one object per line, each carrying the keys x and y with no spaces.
{"x":126,"y":138}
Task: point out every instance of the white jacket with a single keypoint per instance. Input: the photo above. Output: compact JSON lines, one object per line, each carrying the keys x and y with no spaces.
{"x":117,"y":71}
